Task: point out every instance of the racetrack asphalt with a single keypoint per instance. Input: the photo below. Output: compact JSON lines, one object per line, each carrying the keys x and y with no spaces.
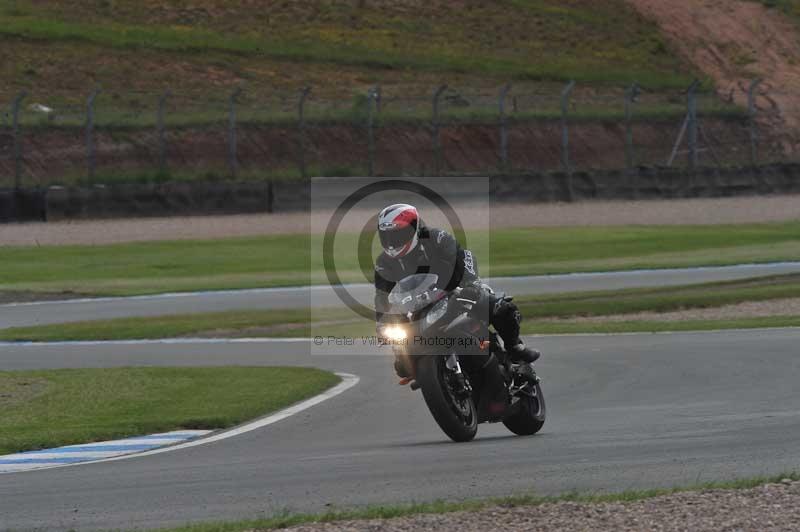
{"x":624,"y":412}
{"x":47,"y":312}
{"x":635,"y":411}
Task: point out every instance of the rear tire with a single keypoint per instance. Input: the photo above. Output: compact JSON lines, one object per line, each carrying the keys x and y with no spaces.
{"x":458,"y":418}
{"x":530,"y":419}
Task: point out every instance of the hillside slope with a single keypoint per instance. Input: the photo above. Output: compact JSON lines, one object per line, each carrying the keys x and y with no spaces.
{"x":735,"y":42}
{"x":62,"y":49}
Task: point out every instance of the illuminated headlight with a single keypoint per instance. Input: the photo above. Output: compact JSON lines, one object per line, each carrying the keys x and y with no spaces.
{"x":436,"y":313}
{"x":394,"y":333}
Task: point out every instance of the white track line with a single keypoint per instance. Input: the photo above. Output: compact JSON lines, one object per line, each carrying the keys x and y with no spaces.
{"x":268,"y":340}
{"x":348,"y":381}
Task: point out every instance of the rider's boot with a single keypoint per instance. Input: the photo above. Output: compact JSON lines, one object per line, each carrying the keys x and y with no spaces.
{"x":506,"y":319}
{"x":494,"y":400}
{"x":525,"y":357}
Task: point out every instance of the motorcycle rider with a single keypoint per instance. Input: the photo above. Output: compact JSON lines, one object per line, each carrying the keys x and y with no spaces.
{"x":410,"y":247}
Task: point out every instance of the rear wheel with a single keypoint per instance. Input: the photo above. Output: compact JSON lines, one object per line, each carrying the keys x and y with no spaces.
{"x":531,"y":415}
{"x":452,"y":407}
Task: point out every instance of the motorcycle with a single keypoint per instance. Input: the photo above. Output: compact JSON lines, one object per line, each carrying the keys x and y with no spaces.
{"x":441,"y":341}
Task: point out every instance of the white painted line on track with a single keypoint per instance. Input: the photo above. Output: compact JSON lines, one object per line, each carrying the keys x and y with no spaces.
{"x":272,"y":340}
{"x":348,"y":381}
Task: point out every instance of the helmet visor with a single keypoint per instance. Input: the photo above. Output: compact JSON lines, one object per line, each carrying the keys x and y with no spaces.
{"x":396,"y":238}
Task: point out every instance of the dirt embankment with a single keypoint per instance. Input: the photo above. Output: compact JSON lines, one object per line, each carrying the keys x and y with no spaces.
{"x":735,"y":42}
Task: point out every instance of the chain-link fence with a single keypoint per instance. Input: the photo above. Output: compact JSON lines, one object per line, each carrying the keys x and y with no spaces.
{"x":145,"y":137}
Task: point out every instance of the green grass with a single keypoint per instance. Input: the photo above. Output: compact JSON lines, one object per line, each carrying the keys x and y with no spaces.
{"x":287,"y":519}
{"x":283,"y":260}
{"x":584,"y":41}
{"x":359,"y":329}
{"x":581,"y":249}
{"x":276,"y":324}
{"x":655,"y":326}
{"x":539,"y":312}
{"x":660,"y":299}
{"x":119,"y":119}
{"x":193,"y":40}
{"x":292,"y":322}
{"x":44,"y":409}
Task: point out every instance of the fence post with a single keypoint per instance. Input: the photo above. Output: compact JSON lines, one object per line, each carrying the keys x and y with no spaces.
{"x":162,"y":142}
{"x":691,"y":124}
{"x":90,"y":149}
{"x":378,"y":98}
{"x":233,"y":161}
{"x":751,"y":113}
{"x":437,"y":139}
{"x":630,"y":98}
{"x":17,"y":140}
{"x":630,"y":157}
{"x":372,"y":98}
{"x":302,"y":127}
{"x":565,"y":162}
{"x":501,"y":107}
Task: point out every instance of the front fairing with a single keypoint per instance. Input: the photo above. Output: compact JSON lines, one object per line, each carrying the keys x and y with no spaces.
{"x":454,"y":330}
{"x":467,"y":337}
{"x":410,"y":300}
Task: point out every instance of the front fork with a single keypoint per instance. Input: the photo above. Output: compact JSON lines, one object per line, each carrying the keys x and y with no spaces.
{"x":461,"y":380}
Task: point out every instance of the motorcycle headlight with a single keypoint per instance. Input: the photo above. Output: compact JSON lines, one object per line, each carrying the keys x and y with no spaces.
{"x":436,"y":313}
{"x":394,"y":333}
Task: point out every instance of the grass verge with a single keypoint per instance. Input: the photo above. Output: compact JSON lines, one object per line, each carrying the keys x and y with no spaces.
{"x":288,"y":519}
{"x":654,"y":326}
{"x":125,"y":120}
{"x":285,"y":260}
{"x":552,"y":314}
{"x":44,"y":409}
{"x":187,"y":326}
{"x":615,"y":44}
{"x":661,"y":299}
{"x":221,"y":324}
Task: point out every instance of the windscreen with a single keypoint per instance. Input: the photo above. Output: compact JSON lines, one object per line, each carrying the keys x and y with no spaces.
{"x":414,"y":293}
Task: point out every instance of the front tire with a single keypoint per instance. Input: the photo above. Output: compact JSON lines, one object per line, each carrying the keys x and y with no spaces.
{"x":456,"y":416}
{"x":530,"y":418}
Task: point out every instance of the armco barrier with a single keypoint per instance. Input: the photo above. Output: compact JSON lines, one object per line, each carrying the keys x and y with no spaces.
{"x":169,"y":199}
{"x":22,"y":205}
{"x":175,"y":199}
{"x":648,"y":183}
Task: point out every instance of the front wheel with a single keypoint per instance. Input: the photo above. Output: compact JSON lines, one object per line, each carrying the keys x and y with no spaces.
{"x":453,"y":409}
{"x":531,"y":415}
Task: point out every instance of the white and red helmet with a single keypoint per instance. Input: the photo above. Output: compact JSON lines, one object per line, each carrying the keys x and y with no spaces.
{"x":398,"y":229}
